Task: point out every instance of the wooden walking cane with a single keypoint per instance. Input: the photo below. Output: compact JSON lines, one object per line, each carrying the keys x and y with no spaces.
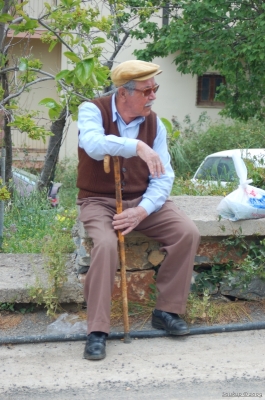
{"x":127,"y":338}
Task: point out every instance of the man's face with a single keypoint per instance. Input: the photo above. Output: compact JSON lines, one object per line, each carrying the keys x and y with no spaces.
{"x":138,"y":105}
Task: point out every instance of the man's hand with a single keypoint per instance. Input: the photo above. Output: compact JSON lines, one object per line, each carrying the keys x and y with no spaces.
{"x":151,"y":158}
{"x":129,"y":219}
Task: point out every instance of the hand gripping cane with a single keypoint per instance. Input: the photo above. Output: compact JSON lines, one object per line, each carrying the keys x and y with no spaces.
{"x":127,"y":338}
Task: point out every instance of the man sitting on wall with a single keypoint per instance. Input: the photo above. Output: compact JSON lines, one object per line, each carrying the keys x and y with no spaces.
{"x":124,"y":125}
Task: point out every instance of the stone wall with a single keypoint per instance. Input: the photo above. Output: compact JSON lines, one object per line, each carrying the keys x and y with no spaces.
{"x":143,"y":255}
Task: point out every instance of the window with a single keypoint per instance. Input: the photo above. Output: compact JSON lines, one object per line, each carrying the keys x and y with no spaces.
{"x":207,"y":90}
{"x":217,"y":168}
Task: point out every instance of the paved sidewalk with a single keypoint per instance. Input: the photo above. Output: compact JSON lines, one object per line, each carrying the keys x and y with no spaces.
{"x":195,"y":367}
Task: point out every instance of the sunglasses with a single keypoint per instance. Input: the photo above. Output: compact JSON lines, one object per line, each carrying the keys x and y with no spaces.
{"x":146,"y":92}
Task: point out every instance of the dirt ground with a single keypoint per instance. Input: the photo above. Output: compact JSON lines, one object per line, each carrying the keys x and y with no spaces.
{"x":34,"y":320}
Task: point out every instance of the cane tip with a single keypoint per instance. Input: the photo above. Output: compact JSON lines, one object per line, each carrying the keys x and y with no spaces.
{"x":127,"y":338}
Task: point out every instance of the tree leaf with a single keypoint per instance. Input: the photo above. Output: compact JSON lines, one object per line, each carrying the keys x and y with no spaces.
{"x":167,"y":124}
{"x":84,"y":70}
{"x":52,"y":45}
{"x":32,"y":24}
{"x":62,"y":74}
{"x":98,"y":40}
{"x":5,"y":18}
{"x":54,"y":113}
{"x":49,"y":103}
{"x":72,"y":56}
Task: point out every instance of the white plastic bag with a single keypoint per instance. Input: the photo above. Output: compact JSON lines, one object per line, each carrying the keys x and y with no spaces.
{"x":67,"y":324}
{"x":246,"y":202}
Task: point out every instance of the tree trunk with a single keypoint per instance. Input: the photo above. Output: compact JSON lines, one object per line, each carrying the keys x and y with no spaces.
{"x":51,"y":158}
{"x":7,"y":132}
{"x":9,"y":149}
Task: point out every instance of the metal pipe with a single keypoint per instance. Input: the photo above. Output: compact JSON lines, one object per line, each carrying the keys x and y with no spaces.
{"x":203,"y":330}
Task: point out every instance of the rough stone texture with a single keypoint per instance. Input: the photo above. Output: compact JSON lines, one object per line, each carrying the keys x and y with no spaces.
{"x":156,"y":257}
{"x":137,"y":257}
{"x":18,"y":272}
{"x":138,"y":285}
{"x":212,"y":250}
{"x":255,"y":289}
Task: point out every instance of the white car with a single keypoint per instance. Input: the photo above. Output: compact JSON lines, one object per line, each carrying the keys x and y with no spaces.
{"x":219,"y":168}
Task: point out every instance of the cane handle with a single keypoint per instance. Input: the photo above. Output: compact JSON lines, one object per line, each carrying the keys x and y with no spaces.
{"x":106,"y":163}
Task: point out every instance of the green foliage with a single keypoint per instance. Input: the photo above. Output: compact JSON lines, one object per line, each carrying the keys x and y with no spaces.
{"x":198,"y":140}
{"x":53,"y":106}
{"x":206,"y":35}
{"x":25,"y":123}
{"x":4,"y":193}
{"x":55,"y":249}
{"x":211,"y":278}
{"x":253,"y":264}
{"x":33,"y":226}
{"x":17,"y":308}
{"x":27,"y":220}
{"x":234,"y":274}
{"x":30,"y":219}
{"x":183,"y":186}
{"x":66,"y":173}
{"x":7,"y":307}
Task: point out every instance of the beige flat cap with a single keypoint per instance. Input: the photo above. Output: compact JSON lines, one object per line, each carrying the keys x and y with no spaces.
{"x":134,"y":70}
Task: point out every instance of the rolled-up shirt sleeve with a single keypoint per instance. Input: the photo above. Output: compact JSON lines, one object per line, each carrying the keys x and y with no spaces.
{"x":159,"y":189}
{"x":92,"y":136}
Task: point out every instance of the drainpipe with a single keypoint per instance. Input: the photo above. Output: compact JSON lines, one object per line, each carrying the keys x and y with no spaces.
{"x":133,"y":334}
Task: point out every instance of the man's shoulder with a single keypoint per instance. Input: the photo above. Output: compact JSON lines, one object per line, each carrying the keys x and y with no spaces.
{"x":104,"y":100}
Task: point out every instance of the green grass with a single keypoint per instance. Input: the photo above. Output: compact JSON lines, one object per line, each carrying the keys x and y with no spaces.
{"x":183,"y":186}
{"x":30,"y":221}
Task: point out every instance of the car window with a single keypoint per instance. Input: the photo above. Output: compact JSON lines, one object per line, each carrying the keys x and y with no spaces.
{"x":217,"y":169}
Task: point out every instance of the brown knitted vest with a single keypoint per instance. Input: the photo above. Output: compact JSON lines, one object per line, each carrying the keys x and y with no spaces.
{"x":92,"y":181}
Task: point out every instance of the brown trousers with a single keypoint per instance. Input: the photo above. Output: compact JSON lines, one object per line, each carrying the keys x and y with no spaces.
{"x":169,"y":226}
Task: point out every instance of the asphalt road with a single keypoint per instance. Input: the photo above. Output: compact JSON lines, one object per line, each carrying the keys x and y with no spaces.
{"x":213,"y":366}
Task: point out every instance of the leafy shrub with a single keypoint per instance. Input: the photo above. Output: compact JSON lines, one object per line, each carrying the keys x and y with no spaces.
{"x":204,"y":137}
{"x":66,"y":173}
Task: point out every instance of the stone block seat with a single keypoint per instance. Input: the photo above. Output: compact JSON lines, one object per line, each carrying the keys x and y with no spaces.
{"x":143,"y":256}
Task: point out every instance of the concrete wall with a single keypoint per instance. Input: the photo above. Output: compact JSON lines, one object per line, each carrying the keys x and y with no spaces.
{"x":29,"y":100}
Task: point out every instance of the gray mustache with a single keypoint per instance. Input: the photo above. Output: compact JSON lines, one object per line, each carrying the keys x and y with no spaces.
{"x":149,"y":104}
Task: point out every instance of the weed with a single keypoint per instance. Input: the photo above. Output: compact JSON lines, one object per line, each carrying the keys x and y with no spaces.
{"x":203,"y":309}
{"x":14,"y":307}
{"x":7,"y":306}
{"x":55,"y":249}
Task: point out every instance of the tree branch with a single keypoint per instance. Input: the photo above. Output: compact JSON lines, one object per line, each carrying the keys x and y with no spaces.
{"x":12,"y":96}
{"x":54,"y":33}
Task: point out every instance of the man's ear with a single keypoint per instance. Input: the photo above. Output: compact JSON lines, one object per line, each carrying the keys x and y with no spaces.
{"x":122,"y":93}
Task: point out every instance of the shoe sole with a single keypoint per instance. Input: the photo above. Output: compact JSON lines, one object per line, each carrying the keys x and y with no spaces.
{"x":95,"y":357}
{"x":175,"y":333}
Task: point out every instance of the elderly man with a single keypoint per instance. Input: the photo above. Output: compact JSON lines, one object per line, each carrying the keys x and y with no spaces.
{"x":124,"y":125}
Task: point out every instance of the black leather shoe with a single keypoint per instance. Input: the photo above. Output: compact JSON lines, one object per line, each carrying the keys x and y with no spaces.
{"x":95,"y":346}
{"x":169,"y":322}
